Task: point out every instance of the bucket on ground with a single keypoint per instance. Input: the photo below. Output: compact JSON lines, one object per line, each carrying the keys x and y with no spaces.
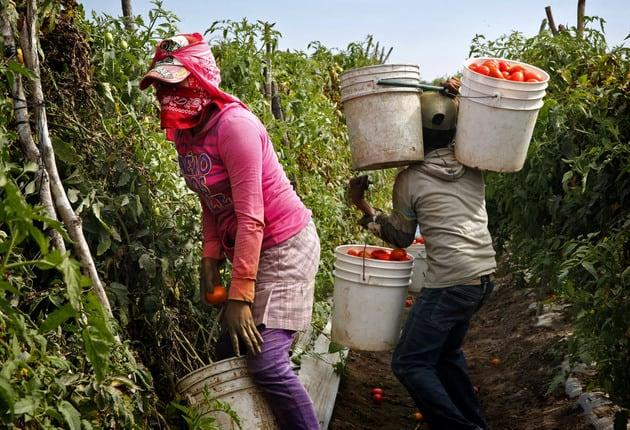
{"x":228,"y":381}
{"x":368,"y":300}
{"x":384,"y":122}
{"x":419,"y":271}
{"x":496,"y":119}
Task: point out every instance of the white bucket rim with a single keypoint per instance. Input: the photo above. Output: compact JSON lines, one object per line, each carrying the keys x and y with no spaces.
{"x":471,"y":95}
{"x":217,"y":365}
{"x":506,"y":92}
{"x":523,"y":85}
{"x":340,"y":250}
{"x":504,"y":83}
{"x":370,"y":69}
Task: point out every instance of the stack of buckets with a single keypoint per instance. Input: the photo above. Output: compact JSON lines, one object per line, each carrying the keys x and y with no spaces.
{"x":368,"y":299}
{"x":384,"y":123}
{"x":496,"y":119}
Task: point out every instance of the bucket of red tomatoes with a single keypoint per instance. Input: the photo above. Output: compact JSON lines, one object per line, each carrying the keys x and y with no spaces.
{"x":499,"y":104}
{"x":369,"y":282}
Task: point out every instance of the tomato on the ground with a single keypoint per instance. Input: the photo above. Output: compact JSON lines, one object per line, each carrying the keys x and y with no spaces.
{"x":377,"y":390}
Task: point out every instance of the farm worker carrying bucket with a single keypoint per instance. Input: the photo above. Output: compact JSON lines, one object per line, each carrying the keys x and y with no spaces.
{"x":446,"y":199}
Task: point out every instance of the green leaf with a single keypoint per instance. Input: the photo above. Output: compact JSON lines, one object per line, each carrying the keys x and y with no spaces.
{"x":72,"y":277}
{"x":590,"y":268}
{"x":147,"y":263}
{"x":26,"y":405}
{"x":65,"y":151}
{"x":57,"y":317}
{"x":16,"y":67}
{"x":103,"y":245}
{"x":7,"y":396}
{"x":70,"y":414}
{"x":97,"y":337}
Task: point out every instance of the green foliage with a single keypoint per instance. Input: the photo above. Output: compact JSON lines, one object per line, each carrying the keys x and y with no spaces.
{"x":57,"y":347}
{"x":140,"y":220}
{"x":565,"y":217}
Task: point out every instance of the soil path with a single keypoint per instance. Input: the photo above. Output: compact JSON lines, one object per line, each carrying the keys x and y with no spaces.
{"x":513,"y":393}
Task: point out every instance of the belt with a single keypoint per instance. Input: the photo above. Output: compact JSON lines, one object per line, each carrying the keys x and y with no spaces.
{"x":482,"y":280}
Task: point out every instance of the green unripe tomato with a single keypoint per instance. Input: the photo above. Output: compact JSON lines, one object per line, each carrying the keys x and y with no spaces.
{"x":124,"y":44}
{"x":109,"y":37}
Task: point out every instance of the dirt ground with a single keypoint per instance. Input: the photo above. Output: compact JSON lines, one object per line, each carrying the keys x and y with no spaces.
{"x":512,"y":392}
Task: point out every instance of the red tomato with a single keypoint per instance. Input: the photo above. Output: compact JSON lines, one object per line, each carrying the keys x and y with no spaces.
{"x":506,"y":75}
{"x":504,"y":66}
{"x":489,"y":63}
{"x":516,"y":76}
{"x":532,"y":80}
{"x":517,"y":68}
{"x":365,"y":254}
{"x":398,"y":254}
{"x":378,"y":398}
{"x":217,"y":296}
{"x":483,"y":70}
{"x":473,"y":67}
{"x":420,"y":240}
{"x":495,"y":73}
{"x":381,"y":254}
{"x":377,"y":390}
{"x":531,"y":74}
{"x":353,"y":252}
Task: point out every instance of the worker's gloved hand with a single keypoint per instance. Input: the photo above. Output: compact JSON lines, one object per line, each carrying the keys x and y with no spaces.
{"x":240,"y":322}
{"x":357,"y":187}
{"x":452,"y":86}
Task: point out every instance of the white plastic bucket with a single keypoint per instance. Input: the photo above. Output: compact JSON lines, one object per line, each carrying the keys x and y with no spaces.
{"x":228,"y":381}
{"x":496,"y":119}
{"x":368,"y":300}
{"x":419,"y":272}
{"x":384,"y":122}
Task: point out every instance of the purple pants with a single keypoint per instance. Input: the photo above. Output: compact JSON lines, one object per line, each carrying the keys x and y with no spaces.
{"x":271,"y":370}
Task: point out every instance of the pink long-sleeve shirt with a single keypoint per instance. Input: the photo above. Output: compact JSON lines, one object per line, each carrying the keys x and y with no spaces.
{"x":248,"y":203}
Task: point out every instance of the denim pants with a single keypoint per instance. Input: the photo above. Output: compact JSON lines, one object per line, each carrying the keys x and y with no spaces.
{"x":429,"y":360}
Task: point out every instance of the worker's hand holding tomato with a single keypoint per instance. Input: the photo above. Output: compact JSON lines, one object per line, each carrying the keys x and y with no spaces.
{"x":240,"y":322}
{"x":210,"y":281}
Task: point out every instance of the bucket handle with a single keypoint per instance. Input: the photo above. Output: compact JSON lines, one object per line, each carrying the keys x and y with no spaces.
{"x":398,"y":82}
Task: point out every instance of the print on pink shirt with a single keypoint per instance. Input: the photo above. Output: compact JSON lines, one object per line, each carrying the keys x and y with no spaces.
{"x":196,"y":168}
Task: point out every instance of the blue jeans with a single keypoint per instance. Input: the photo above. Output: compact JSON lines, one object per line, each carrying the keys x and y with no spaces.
{"x":429,"y":360}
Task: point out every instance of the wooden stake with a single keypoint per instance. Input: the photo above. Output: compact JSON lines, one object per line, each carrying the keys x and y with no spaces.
{"x":580,"y":18}
{"x":552,"y":23}
{"x":30,"y":47}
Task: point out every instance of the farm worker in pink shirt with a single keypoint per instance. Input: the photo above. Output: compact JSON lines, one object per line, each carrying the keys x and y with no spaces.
{"x":251,"y":216}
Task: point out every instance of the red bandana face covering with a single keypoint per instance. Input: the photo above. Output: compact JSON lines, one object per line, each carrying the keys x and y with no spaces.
{"x":181,"y":107}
